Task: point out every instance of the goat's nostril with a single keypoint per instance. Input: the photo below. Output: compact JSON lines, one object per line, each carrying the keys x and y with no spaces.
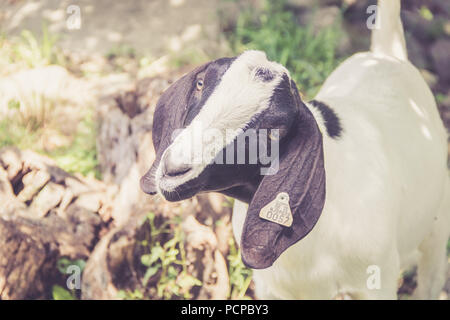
{"x":173,"y":169}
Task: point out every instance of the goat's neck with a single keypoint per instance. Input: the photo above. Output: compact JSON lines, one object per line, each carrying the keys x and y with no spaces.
{"x":245,"y":192}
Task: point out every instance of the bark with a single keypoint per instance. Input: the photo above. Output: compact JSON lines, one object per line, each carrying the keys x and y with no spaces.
{"x":42,"y":218}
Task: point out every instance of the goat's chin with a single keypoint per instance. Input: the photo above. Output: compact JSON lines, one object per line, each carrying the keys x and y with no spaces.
{"x":181,"y":192}
{"x":174,"y":196}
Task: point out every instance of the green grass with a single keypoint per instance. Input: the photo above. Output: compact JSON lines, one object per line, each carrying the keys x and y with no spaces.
{"x":28,"y":50}
{"x":309,"y":55}
{"x":61,"y":293}
{"x":81,"y":155}
{"x":24,"y":126}
{"x":166,"y":275}
{"x":32,"y":119}
{"x":240,"y":275}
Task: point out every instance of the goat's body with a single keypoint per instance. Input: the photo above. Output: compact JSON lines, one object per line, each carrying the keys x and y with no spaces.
{"x":394,"y":139}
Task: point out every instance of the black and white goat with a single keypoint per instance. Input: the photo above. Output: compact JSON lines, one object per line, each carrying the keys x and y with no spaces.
{"x":364,"y":166}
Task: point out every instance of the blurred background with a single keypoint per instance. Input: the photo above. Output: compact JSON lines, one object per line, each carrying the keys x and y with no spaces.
{"x":79,"y":81}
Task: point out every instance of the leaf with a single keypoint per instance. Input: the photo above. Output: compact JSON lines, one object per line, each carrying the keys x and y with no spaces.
{"x":150,"y":273}
{"x":172,"y":242}
{"x":188,"y":281}
{"x":64,"y":263}
{"x":59,"y":293}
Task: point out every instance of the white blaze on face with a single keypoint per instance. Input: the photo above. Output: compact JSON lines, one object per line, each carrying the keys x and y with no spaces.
{"x":237,"y":98}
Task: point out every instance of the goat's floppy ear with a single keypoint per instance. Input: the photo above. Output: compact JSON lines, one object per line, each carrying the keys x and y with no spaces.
{"x":301,"y":175}
{"x":168,"y":116}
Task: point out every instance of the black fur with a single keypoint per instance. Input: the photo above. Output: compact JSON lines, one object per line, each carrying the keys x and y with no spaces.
{"x":264,"y":74}
{"x":332,"y":122}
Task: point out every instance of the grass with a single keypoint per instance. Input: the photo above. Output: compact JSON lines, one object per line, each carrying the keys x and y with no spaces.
{"x":309,"y":55}
{"x":240,"y":275}
{"x":28,"y":122}
{"x":81,"y":155}
{"x":58,"y":291}
{"x":26,"y":131}
{"x":30,"y":51}
{"x":25,"y":123}
{"x":166,"y":275}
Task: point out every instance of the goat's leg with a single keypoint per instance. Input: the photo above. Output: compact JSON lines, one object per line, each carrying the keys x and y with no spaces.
{"x":387,"y":290}
{"x":381,"y":281}
{"x":431,"y":271}
{"x":432,"y":266}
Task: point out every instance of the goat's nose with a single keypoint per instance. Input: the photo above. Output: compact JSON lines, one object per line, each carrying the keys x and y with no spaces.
{"x":173,"y":167}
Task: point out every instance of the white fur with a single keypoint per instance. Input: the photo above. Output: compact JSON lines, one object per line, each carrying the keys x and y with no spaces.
{"x":387,"y":186}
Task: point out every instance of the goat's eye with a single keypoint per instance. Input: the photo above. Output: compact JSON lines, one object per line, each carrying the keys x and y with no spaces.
{"x":199,"y":84}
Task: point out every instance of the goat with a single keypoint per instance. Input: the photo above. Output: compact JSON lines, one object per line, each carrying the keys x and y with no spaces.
{"x":363,"y":165}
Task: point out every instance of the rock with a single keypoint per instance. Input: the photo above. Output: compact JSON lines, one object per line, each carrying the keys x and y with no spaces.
{"x":41,"y":224}
{"x":115,"y":263}
{"x":76,"y":186}
{"x":48,"y":198}
{"x":23,"y":261}
{"x":29,"y":252}
{"x":440,"y":55}
{"x":202,"y":249}
{"x":90,"y":201}
{"x":65,"y":201}
{"x":8,"y":199}
{"x":10,"y":160}
{"x":32,"y":183}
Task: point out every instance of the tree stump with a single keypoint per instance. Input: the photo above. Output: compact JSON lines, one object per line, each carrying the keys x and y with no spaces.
{"x":44,"y":215}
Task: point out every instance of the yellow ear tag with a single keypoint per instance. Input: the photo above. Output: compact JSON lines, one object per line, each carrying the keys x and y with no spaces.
{"x":278,"y":210}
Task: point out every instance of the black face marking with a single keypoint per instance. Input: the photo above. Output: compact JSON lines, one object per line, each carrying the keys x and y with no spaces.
{"x":264,"y":74}
{"x":332,"y":122}
{"x":211,"y":78}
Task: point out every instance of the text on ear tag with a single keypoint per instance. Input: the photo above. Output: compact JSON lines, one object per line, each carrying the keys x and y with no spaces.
{"x":278,"y":210}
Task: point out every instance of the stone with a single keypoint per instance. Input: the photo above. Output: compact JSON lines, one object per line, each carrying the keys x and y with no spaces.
{"x":10,"y":160}
{"x":76,"y":186}
{"x":48,"y":198}
{"x":33,"y":182}
{"x":90,"y":201}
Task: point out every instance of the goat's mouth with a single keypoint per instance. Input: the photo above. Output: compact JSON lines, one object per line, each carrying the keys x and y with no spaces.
{"x":180,"y":192}
{"x":181,"y":186}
